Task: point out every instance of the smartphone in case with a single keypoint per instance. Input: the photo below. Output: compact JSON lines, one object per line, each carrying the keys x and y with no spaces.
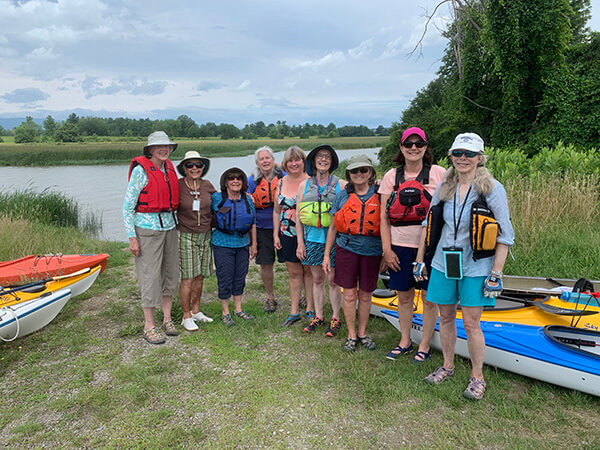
{"x":453,"y":263}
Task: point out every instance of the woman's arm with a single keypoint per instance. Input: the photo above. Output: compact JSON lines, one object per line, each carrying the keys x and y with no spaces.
{"x":276,"y":224}
{"x":301,"y":250}
{"x":389,"y":257}
{"x":329,"y":243}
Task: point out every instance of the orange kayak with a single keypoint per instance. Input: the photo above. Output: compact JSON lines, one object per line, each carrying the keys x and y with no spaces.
{"x":32,"y":268}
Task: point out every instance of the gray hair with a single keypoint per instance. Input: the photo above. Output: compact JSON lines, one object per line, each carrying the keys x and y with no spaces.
{"x":265,"y":148}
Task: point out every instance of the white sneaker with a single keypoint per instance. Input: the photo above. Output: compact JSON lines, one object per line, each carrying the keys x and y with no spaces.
{"x":189,"y":325}
{"x":200,"y":317}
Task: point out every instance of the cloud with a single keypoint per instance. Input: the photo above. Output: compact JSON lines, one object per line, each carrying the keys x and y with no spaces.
{"x":205,"y":86}
{"x":278,"y":102}
{"x":332,"y":58}
{"x":25,"y":96}
{"x":93,"y":87}
{"x":243,"y":85}
{"x":363,"y":49}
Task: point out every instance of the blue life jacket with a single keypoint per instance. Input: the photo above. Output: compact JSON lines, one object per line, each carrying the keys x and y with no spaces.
{"x":233,"y":216}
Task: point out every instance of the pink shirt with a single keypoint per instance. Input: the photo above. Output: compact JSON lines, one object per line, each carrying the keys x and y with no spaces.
{"x":408,"y":236}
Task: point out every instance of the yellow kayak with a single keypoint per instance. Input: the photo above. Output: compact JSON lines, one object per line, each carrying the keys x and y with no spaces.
{"x":78,"y":283}
{"x":539,"y":312}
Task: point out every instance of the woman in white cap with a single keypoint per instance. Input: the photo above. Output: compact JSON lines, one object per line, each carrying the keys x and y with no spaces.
{"x":406,"y":192}
{"x":262,"y":184}
{"x":151,"y":199}
{"x":314,"y":198}
{"x":468,"y":198}
{"x":194,"y":229}
{"x":356,"y":212}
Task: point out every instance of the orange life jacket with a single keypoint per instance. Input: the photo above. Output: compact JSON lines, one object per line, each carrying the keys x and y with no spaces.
{"x":264,"y":194}
{"x":358,"y":217}
{"x":159,"y":194}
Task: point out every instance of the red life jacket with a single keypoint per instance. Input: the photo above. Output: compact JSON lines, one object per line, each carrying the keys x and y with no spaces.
{"x":409,"y":203}
{"x":264,"y":194}
{"x":159,"y":194}
{"x":358,"y":217}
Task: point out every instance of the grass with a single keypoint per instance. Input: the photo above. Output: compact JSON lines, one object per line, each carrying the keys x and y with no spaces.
{"x":92,"y":153}
{"x":89,"y":380}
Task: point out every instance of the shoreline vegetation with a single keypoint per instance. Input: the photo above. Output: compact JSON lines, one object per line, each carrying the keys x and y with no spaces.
{"x":112,"y":151}
{"x":89,"y":380}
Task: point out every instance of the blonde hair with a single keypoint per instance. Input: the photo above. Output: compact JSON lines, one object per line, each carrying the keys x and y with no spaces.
{"x":484,"y":182}
{"x":294,"y":152}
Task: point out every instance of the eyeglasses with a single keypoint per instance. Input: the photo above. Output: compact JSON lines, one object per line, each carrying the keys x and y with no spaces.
{"x":197,"y":165}
{"x":467,"y":153}
{"x":359,"y":169}
{"x":323,"y":156}
{"x":234,"y":177}
{"x":418,"y":144}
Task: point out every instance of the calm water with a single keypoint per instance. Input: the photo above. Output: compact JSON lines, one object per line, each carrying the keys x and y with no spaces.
{"x":100,"y":189}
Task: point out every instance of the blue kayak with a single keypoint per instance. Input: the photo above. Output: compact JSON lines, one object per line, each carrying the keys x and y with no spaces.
{"x":561,"y":355}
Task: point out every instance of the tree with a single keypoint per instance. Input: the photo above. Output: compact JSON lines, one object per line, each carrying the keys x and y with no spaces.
{"x":67,"y":132}
{"x":228,"y":131}
{"x":72,"y":119}
{"x":49,"y":126}
{"x":27,"y":131}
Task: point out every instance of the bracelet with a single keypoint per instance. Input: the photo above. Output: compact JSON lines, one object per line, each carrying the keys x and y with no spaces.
{"x":496,"y":273}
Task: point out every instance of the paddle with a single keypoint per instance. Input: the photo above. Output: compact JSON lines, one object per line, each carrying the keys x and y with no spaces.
{"x":40,"y":282}
{"x":549,"y":308}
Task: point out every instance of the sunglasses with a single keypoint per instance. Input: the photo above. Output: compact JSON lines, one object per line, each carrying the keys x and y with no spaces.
{"x":234,"y":177}
{"x":359,"y":169}
{"x":418,"y":144}
{"x":467,"y":153}
{"x":197,"y":165}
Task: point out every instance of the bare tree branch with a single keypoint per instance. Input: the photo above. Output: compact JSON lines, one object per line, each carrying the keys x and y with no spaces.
{"x":419,"y":44}
{"x":478,"y":105}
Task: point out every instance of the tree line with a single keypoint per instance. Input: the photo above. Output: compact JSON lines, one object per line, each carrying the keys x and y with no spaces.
{"x":522,"y":74}
{"x":76,"y":128}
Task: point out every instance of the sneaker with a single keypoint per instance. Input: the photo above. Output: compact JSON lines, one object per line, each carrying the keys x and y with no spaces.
{"x":367,"y":342}
{"x":334,"y":327}
{"x":244,"y":315}
{"x":154,"y":336}
{"x":227,"y":320}
{"x":350,"y":344}
{"x":169,"y":328}
{"x":438,"y":375}
{"x":312,"y":326}
{"x":270,"y":305}
{"x":291,"y":319}
{"x":475,"y":389}
{"x":200,"y":317}
{"x":189,"y":325}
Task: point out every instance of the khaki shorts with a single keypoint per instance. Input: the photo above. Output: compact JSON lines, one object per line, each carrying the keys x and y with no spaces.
{"x":195,"y":255}
{"x":157,"y":266}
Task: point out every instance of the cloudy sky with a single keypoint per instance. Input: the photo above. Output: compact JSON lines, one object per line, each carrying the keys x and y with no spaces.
{"x":341,"y":61}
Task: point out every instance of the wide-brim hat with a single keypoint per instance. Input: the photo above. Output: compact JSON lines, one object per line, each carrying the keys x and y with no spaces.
{"x":310,"y":159}
{"x":159,"y":138}
{"x":359,"y":161}
{"x":225,"y":174}
{"x":193,"y":155}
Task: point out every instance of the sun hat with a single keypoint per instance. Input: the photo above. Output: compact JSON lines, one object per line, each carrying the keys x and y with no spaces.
{"x":223,"y":180}
{"x":310,"y":159}
{"x":413,"y":130}
{"x":467,"y":141}
{"x":193,"y":155}
{"x":357,"y":161}
{"x":159,"y":138}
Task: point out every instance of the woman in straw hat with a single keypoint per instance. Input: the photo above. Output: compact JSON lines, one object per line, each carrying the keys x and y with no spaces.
{"x":194,"y":229}
{"x":151,"y":199}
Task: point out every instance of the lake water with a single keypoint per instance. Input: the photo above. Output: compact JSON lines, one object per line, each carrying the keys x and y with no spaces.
{"x":100,"y":189}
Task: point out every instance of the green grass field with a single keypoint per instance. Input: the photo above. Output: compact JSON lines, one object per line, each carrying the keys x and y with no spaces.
{"x":120,"y":152}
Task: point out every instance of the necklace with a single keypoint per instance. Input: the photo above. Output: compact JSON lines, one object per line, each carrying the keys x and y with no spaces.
{"x":195,"y":192}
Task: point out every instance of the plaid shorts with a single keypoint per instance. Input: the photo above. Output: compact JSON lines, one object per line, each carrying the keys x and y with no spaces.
{"x":195,"y":255}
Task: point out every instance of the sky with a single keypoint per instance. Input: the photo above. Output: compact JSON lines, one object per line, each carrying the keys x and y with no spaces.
{"x":340,"y":61}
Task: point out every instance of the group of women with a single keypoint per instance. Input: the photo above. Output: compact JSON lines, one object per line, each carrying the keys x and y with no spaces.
{"x":422,"y":223}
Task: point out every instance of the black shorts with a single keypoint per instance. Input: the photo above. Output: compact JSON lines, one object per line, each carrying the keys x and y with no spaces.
{"x":289,"y":245}
{"x":266,"y":249}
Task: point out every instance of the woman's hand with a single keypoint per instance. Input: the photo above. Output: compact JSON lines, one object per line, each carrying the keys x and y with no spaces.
{"x":134,"y":246}
{"x":253,"y":251}
{"x":276,"y":242}
{"x":326,"y":264}
{"x":391,"y":260}
{"x":301,"y":250}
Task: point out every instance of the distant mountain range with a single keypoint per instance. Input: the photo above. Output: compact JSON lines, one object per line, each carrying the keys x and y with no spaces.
{"x":8,"y":123}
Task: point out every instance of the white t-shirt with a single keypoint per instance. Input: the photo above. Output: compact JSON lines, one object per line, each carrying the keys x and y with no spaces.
{"x":409,"y":235}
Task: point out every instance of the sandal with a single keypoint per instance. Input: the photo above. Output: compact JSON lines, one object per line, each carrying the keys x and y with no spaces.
{"x":367,"y":342}
{"x":310,"y":315}
{"x":154,"y":336}
{"x":244,"y":315}
{"x":350,"y":344}
{"x":421,"y":357}
{"x":398,"y":351}
{"x":475,"y":389}
{"x":438,"y":375}
{"x":291,"y":319}
{"x":227,"y":320}
{"x":169,"y":328}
